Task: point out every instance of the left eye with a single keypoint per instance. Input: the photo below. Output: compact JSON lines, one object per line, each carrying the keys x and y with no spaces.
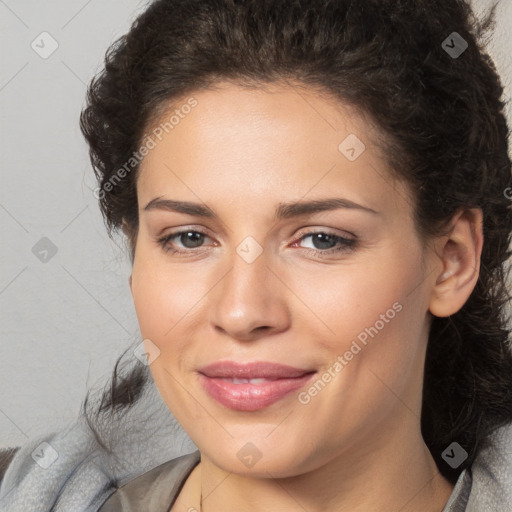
{"x":324,"y":242}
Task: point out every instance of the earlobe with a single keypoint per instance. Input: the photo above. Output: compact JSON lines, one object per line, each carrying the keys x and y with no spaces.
{"x":124,"y":227}
{"x":459,"y":256}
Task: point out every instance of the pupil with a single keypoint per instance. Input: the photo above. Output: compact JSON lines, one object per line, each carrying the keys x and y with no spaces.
{"x":191,"y":239}
{"x":319,"y":237}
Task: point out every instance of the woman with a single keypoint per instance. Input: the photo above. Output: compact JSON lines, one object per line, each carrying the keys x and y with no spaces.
{"x":315,"y":199}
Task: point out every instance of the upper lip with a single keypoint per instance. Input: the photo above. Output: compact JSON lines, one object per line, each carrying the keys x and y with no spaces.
{"x":254,"y":370}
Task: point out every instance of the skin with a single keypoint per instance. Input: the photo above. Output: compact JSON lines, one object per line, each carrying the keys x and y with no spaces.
{"x":357,"y":445}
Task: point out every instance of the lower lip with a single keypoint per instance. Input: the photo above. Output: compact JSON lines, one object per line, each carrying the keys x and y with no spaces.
{"x":251,"y":397}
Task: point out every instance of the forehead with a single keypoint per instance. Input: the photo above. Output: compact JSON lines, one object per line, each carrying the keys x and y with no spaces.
{"x":264,"y":141}
{"x":233,"y":110}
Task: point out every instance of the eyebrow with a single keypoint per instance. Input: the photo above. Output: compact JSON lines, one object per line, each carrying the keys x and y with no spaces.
{"x":283,"y":210}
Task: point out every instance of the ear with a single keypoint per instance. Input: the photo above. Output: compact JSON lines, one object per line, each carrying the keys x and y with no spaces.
{"x":124,"y":226}
{"x":459,"y":253}
{"x":127,"y":233}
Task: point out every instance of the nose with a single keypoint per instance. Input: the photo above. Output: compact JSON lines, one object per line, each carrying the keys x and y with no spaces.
{"x":250,"y":301}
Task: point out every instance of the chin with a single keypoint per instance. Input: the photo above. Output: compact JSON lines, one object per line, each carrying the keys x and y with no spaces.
{"x":265,"y":462}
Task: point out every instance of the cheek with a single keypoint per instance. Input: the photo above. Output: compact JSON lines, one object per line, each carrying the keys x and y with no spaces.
{"x":385,"y":325}
{"x":156,"y":298}
{"x":370,"y":352}
{"x":167,"y":300}
{"x":372,"y":314}
{"x":343,"y":301}
{"x":163,"y":302}
{"x":145,"y":298}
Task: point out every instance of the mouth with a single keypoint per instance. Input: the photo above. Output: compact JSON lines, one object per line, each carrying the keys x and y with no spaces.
{"x":252,"y":386}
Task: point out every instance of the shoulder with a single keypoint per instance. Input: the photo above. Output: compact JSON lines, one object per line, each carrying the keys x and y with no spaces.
{"x":492,"y":474}
{"x":487,"y":484}
{"x":154,"y":490}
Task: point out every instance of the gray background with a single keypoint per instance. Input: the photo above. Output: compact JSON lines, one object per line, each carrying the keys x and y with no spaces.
{"x":66,"y":320}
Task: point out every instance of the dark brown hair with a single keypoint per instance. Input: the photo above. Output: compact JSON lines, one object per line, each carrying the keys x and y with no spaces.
{"x":445,"y":136}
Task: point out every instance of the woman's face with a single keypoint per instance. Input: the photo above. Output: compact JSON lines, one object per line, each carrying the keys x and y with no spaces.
{"x":259,"y":280}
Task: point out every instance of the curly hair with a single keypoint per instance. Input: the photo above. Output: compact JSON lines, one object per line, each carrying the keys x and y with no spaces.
{"x":446,"y":136}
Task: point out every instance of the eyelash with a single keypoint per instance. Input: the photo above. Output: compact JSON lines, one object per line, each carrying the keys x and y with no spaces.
{"x":347,"y":244}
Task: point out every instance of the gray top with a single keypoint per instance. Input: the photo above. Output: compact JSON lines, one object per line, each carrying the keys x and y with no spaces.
{"x":158,"y":489}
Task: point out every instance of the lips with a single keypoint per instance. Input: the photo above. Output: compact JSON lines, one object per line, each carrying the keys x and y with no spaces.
{"x":256,"y":370}
{"x":251,"y":386}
